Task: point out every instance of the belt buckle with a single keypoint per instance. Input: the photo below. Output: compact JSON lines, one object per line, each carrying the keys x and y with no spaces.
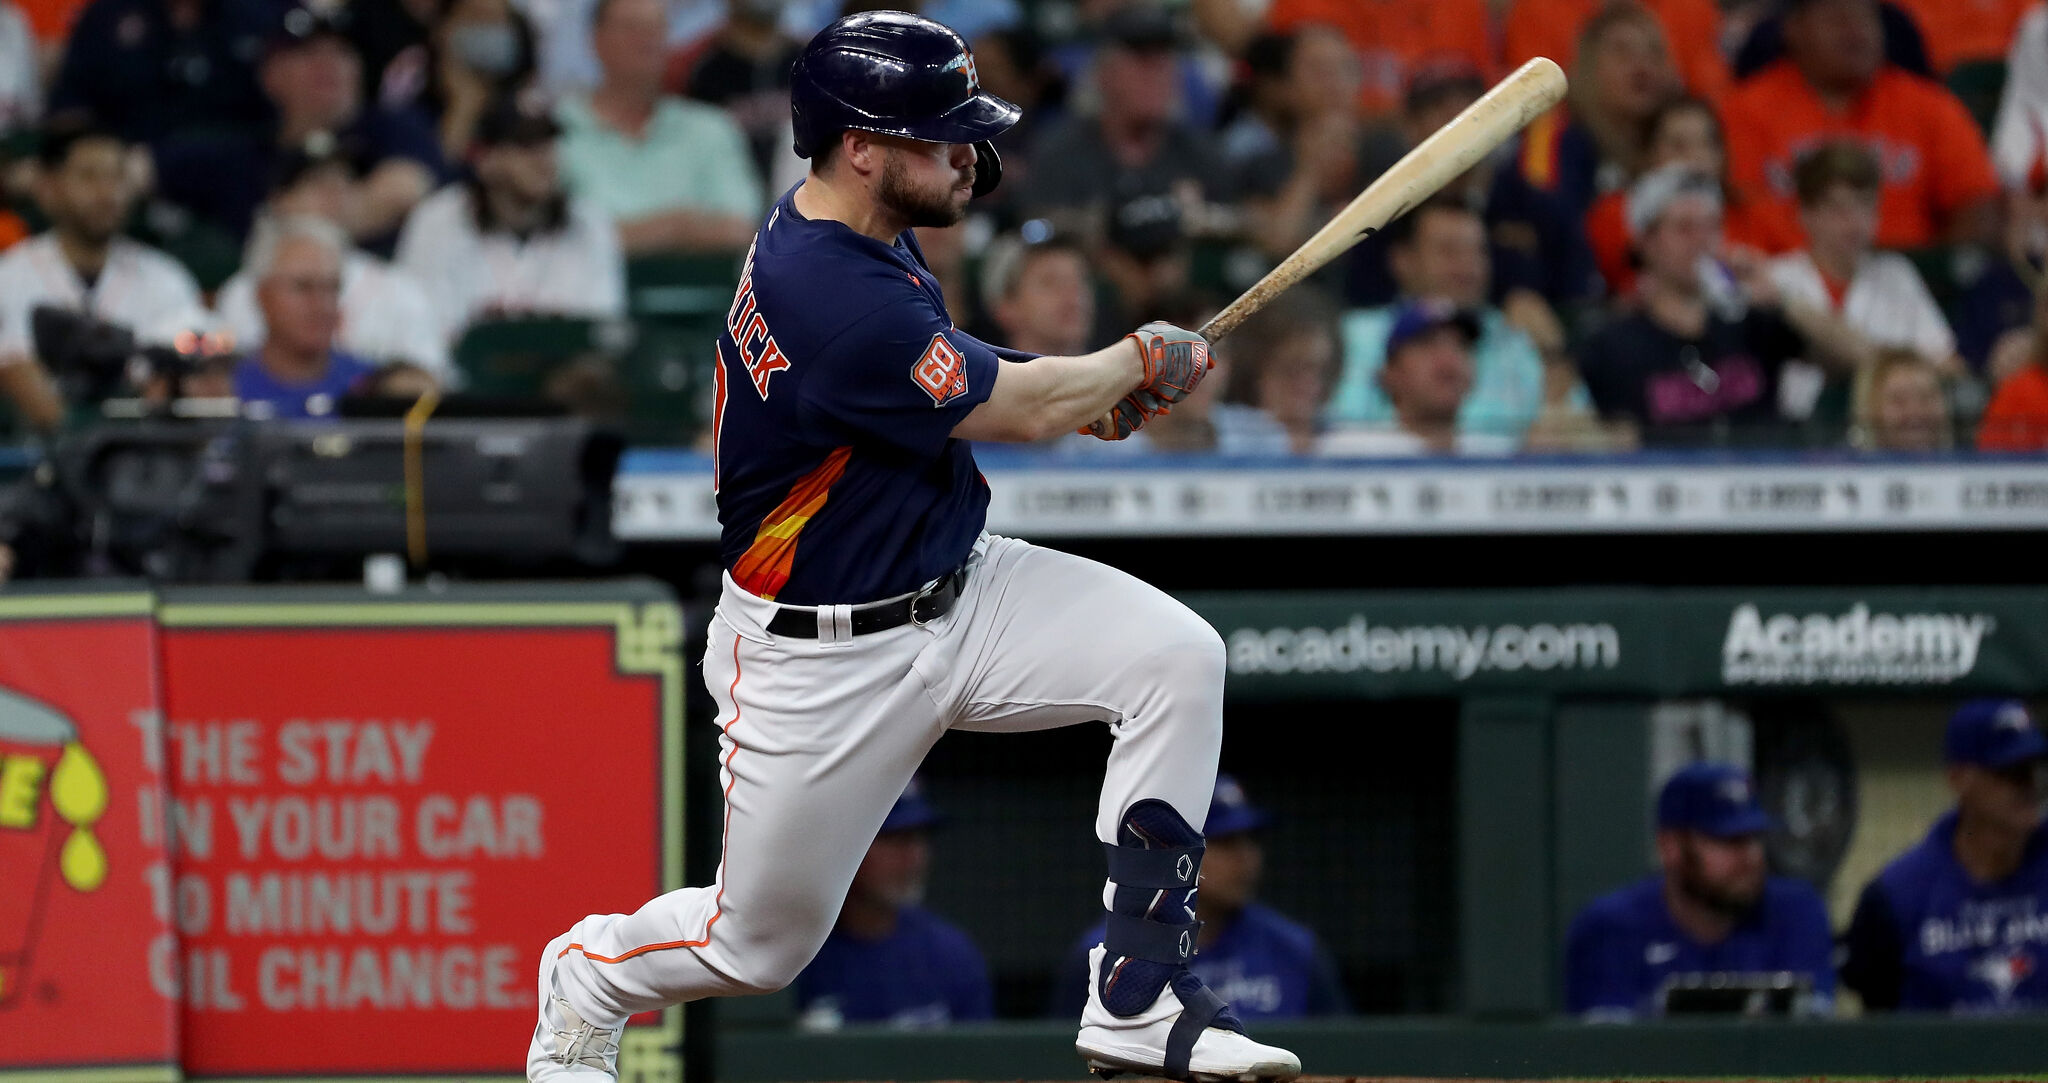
{"x":924,"y":592}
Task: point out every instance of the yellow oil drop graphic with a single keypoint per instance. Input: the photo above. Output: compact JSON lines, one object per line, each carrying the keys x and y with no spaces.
{"x":78,"y":791}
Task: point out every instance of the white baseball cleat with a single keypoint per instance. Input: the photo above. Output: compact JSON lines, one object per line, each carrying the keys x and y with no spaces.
{"x":565,"y":1048}
{"x":1116,"y":1045}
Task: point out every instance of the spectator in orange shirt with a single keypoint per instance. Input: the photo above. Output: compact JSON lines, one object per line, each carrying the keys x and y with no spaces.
{"x":1693,"y":27}
{"x":1394,"y":36}
{"x":1684,"y":130}
{"x":1959,"y":31}
{"x":2017,"y":419}
{"x":1833,"y":83}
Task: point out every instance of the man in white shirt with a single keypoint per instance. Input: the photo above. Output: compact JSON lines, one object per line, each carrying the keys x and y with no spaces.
{"x":509,"y":241}
{"x":2019,"y":136}
{"x":385,"y":312}
{"x":83,"y":263}
{"x":1878,"y":294}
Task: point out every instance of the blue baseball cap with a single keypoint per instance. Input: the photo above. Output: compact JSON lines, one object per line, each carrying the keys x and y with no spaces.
{"x":1994,"y":733}
{"x":912,"y":811}
{"x":1417,"y":318}
{"x":1230,"y":812}
{"x":1715,"y":799}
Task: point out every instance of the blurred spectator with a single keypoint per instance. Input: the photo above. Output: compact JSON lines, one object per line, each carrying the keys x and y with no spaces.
{"x":745,"y":71}
{"x":1283,"y":361}
{"x":1263,"y":964}
{"x":674,"y":175}
{"x":1094,"y":26}
{"x":1878,"y":293}
{"x":82,"y":262}
{"x":2019,"y":135}
{"x":313,"y":77}
{"x":1436,"y":93}
{"x":1426,"y":378}
{"x":1833,"y":83}
{"x":1764,"y":43}
{"x":298,"y":372}
{"x":1962,"y":31}
{"x":1295,"y":155}
{"x":385,"y":312}
{"x":154,"y":68}
{"x":480,"y":51}
{"x":1203,"y":422}
{"x":1711,"y":909}
{"x":1954,"y":925}
{"x":1393,"y":38}
{"x":1683,"y":131}
{"x":1993,"y":314}
{"x":1438,"y":250}
{"x":1014,"y":67}
{"x":1132,"y":147}
{"x":1899,"y":405}
{"x":21,"y":69}
{"x":888,"y":959}
{"x":50,"y":20}
{"x":1707,"y":337}
{"x":1145,"y":254}
{"x":2017,"y":417}
{"x":507,"y":240}
{"x":392,"y":37}
{"x":1692,"y":27}
{"x":1039,"y":295}
{"x":1568,"y":157}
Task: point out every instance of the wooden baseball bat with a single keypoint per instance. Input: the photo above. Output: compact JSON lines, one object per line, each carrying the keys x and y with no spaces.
{"x":1527,"y":93}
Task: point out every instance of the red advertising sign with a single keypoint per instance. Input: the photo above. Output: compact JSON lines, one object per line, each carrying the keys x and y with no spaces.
{"x":89,"y":968}
{"x":387,"y":810}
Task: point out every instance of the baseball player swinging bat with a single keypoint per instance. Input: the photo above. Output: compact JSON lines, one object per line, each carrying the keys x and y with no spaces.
{"x":1529,"y":92}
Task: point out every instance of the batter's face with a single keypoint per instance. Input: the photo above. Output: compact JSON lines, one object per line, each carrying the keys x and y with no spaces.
{"x":926,"y":184}
{"x":1724,"y":875}
{"x":894,"y":871}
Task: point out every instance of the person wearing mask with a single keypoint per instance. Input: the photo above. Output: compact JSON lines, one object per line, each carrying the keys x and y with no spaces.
{"x":82,"y":262}
{"x":298,"y":372}
{"x":1711,"y":908}
{"x":674,"y":175}
{"x":1955,"y":924}
{"x":1268,"y":965}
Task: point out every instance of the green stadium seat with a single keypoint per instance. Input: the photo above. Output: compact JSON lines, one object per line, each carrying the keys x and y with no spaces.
{"x":667,"y":380}
{"x":680,"y":285}
{"x":1979,"y":83}
{"x":514,"y":357}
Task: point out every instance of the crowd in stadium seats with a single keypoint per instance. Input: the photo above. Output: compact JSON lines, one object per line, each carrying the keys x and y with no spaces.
{"x":1755,"y":223}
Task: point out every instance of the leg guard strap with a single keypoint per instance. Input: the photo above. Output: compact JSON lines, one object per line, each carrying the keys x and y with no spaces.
{"x":1199,"y":1008}
{"x":1170,"y":943}
{"x":1162,"y":869}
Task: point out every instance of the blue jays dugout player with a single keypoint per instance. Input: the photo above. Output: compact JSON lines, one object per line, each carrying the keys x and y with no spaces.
{"x":1711,"y":910}
{"x":1267,"y":966}
{"x":865,"y":610}
{"x":1959,"y":923}
{"x":889,"y":960}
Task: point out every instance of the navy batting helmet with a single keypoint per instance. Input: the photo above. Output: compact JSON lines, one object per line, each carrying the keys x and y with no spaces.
{"x":897,"y":74}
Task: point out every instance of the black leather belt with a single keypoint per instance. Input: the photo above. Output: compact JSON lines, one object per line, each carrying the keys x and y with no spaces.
{"x":922,"y":608}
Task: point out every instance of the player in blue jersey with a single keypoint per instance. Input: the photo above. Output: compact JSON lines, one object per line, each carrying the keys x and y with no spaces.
{"x":1265,"y":965}
{"x":890,"y":960}
{"x":865,"y":611}
{"x":1711,"y":910}
{"x":1959,"y":923}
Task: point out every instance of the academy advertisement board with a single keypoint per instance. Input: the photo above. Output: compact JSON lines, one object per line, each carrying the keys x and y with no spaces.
{"x":1645,"y":642}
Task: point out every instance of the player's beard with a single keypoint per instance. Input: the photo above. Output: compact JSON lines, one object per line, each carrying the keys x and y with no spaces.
{"x":1727,"y":900}
{"x":919,"y":207}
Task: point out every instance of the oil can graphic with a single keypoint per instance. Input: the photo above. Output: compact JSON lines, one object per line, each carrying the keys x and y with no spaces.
{"x":52,"y":792}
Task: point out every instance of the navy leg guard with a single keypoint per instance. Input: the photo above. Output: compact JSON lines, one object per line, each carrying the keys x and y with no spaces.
{"x":1156,"y":866}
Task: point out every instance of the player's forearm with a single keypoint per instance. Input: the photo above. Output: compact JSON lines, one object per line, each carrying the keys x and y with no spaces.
{"x":1039,"y":399}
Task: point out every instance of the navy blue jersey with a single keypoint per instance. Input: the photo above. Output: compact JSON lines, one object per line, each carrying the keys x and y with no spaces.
{"x":840,"y":380}
{"x":925,"y":973}
{"x":1624,"y":946}
{"x":1927,"y":937}
{"x":1262,"y":964}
